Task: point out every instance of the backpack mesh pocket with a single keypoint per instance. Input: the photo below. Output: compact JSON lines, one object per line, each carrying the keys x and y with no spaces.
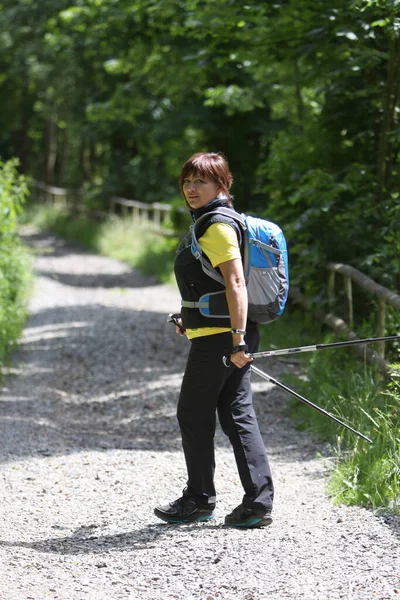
{"x":263,"y":284}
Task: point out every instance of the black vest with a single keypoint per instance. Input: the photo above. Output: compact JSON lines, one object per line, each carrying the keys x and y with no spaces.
{"x":191,"y":279}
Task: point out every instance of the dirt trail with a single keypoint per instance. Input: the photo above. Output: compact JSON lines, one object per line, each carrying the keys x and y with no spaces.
{"x":90,"y":444}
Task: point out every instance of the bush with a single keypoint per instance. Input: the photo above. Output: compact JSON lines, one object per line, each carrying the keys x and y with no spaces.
{"x":15,"y":271}
{"x":15,"y":279}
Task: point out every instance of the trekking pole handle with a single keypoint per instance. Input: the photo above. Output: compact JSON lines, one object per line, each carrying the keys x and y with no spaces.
{"x":227,"y":361}
{"x":175,"y":318}
{"x":242,"y":348}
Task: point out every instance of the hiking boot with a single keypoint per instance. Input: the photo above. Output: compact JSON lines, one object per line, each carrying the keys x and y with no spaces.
{"x":245,"y":517}
{"x":184,"y":510}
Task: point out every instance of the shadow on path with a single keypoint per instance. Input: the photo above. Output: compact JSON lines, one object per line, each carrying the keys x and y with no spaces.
{"x":85,"y":541}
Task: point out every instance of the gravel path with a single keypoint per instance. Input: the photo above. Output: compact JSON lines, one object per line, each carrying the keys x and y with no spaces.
{"x":90,"y":445}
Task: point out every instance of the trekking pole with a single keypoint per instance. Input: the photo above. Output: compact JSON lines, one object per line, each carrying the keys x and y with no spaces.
{"x":284,"y":351}
{"x":308,"y":402}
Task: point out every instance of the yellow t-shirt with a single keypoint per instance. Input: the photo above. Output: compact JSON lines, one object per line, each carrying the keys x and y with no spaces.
{"x":220,"y":244}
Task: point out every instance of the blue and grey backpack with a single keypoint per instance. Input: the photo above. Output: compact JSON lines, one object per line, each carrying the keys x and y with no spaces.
{"x":265,"y":263}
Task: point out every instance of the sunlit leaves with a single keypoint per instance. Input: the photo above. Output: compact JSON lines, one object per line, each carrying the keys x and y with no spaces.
{"x":234,"y":98}
{"x":13,"y":190}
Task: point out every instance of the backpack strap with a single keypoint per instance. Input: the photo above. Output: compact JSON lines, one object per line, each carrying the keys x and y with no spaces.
{"x":196,"y":248}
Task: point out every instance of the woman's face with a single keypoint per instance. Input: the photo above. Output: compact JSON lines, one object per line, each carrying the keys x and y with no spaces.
{"x":199,"y":191}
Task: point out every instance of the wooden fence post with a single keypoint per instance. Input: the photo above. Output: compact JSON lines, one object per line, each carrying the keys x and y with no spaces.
{"x":331,"y":289}
{"x":380,"y":331}
{"x":349,"y":299}
{"x":384,"y":296}
{"x":157,"y":217}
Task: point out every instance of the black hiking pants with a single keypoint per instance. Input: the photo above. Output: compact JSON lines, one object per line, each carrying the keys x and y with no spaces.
{"x":209,"y":387}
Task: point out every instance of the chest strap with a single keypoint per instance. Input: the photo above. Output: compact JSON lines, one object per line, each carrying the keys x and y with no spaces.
{"x":210,"y":305}
{"x":187,"y":304}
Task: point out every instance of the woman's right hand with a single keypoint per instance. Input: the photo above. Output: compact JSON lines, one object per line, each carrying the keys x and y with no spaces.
{"x":240,"y":359}
{"x":179,"y":329}
{"x":175,"y":318}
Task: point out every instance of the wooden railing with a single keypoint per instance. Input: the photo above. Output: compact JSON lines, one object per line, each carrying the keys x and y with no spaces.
{"x":344,"y":327}
{"x":151,"y":216}
{"x":154,"y":215}
{"x":42,"y":192}
{"x":384,"y":295}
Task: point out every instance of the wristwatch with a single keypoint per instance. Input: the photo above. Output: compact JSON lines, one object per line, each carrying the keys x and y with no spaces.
{"x":241,"y":348}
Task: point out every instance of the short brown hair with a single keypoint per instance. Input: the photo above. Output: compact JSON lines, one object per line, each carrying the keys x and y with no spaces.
{"x":210,"y":165}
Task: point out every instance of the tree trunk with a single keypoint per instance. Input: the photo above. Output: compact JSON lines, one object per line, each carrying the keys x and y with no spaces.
{"x":397,"y":281}
{"x":86,"y":159}
{"x":385,"y":144}
{"x":51,"y":148}
{"x":299,"y":97}
{"x":62,"y":156}
{"x":21,"y":137}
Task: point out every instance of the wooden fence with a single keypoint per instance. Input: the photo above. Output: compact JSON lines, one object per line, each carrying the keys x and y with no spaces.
{"x":344,"y":326}
{"x":384,"y":296}
{"x":153,"y":216}
{"x":42,"y":192}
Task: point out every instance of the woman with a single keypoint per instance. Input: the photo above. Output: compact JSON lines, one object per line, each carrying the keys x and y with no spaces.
{"x":208,"y":385}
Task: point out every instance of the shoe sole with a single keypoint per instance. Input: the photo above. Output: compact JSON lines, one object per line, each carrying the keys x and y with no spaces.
{"x":252,"y":523}
{"x":200,"y":518}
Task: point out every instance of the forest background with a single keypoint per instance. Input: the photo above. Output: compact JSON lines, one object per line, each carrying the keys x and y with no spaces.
{"x":112,"y":96}
{"x":302,"y":97}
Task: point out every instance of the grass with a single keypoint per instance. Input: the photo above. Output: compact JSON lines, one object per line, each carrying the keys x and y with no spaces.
{"x":364,"y":474}
{"x":369,"y":474}
{"x":148,"y":251}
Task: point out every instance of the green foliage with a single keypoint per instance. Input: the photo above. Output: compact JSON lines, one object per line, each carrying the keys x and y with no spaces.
{"x":60,"y":221}
{"x":301,"y":97}
{"x":13,"y":190}
{"x":294,"y":328}
{"x":15,"y":283}
{"x":15,"y":271}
